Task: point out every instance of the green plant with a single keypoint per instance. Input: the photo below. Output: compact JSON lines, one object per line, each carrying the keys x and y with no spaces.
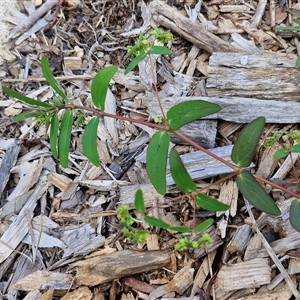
{"x":59,"y":113}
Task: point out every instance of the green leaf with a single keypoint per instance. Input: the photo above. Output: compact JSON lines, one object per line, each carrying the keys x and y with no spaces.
{"x":64,"y":138}
{"x":244,"y":147}
{"x":156,"y":222}
{"x":25,"y":115}
{"x":24,"y":98}
{"x":50,"y":78}
{"x":159,"y":50}
{"x":298,"y":62}
{"x":204,"y":225}
{"x":89,"y":141}
{"x":280,"y":153}
{"x":54,"y":135}
{"x":100,"y":85}
{"x":296,"y":148}
{"x":295,"y":214}
{"x":188,"y":111}
{"x":180,"y":175}
{"x":209,"y":203}
{"x":135,"y":61}
{"x":156,"y":162}
{"x":255,"y":194}
{"x":181,"y":229}
{"x":139,"y":204}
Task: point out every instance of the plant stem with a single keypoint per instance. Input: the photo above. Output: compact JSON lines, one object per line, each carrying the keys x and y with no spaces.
{"x":197,"y":146}
{"x":101,"y":113}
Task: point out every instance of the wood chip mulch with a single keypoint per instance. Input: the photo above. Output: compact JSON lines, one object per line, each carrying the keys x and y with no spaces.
{"x":60,"y":238}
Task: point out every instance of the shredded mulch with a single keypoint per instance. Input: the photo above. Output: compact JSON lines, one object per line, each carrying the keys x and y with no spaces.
{"x":60,"y":238}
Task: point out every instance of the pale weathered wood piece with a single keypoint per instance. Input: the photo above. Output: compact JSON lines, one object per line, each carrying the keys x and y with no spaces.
{"x":206,"y":133}
{"x":240,"y":239}
{"x":179,"y":284}
{"x":29,"y":173}
{"x":232,"y":74}
{"x":249,"y":274}
{"x":171,"y":18}
{"x":294,"y":266}
{"x":228,"y":195}
{"x":81,"y":239}
{"x":83,"y":293}
{"x":102,"y":269}
{"x":203,"y":272}
{"x":19,"y":228}
{"x":292,"y":241}
{"x":8,"y":161}
{"x":281,"y":292}
{"x":237,"y":109}
{"x":44,"y":280}
{"x":268,"y":163}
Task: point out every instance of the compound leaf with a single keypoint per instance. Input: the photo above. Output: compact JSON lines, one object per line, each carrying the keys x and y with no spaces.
{"x":188,"y":111}
{"x":89,"y":141}
{"x":159,"y":50}
{"x":50,"y":78}
{"x":24,"y":98}
{"x":180,"y":175}
{"x":139,"y":204}
{"x":156,"y":222}
{"x":100,"y":85}
{"x":204,"y":225}
{"x":156,"y":162}
{"x":255,"y":194}
{"x":295,"y":214}
{"x":244,"y":147}
{"x":209,"y":203}
{"x":135,"y":61}
{"x":54,"y":135}
{"x":64,"y":138}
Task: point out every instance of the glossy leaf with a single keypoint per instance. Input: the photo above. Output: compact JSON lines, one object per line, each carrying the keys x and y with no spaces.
{"x":209,"y":203}
{"x":255,"y":194}
{"x":25,"y":115}
{"x":100,"y":85}
{"x":181,"y":229}
{"x":64,"y":138}
{"x":50,"y":78}
{"x":243,"y":149}
{"x":139,"y":204}
{"x":89,"y":141}
{"x":295,"y":214}
{"x":204,"y":225}
{"x":135,"y":62}
{"x":24,"y":98}
{"x":54,"y":135}
{"x":180,"y":175}
{"x":156,"y":222}
{"x":156,"y":162}
{"x":188,"y":111}
{"x":159,"y":50}
{"x":281,"y":153}
{"x":296,"y":148}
